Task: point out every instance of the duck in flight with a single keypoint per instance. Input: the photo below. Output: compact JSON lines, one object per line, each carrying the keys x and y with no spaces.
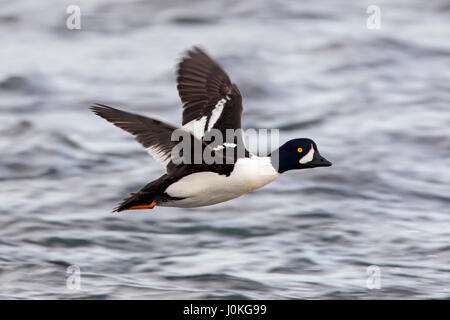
{"x":210,"y":102}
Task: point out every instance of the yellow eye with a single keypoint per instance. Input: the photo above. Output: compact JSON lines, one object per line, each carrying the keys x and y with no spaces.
{"x":300,"y":150}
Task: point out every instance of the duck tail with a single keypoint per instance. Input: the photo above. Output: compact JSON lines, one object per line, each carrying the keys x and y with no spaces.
{"x":137,"y":201}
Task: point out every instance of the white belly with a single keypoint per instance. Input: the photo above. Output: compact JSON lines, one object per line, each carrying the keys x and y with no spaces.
{"x":207,"y":188}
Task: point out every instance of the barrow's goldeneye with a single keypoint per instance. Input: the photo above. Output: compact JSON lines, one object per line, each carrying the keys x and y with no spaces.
{"x":210,"y":102}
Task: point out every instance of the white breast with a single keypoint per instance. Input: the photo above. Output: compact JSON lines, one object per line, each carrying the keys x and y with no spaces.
{"x":207,"y":188}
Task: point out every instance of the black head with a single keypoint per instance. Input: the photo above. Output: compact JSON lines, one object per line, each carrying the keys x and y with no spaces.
{"x":298,"y":154}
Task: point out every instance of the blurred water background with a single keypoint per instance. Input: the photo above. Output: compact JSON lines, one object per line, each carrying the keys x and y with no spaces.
{"x":377,"y":102}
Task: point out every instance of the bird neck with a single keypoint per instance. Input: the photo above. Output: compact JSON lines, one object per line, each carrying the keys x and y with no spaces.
{"x":279,"y":162}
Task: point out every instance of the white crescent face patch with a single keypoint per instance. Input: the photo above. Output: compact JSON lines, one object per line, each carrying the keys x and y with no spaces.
{"x":308,"y":157}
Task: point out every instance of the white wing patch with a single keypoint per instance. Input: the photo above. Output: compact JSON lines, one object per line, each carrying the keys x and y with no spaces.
{"x":308,"y":157}
{"x":225,"y":145}
{"x":230,"y":145}
{"x":217,"y":111}
{"x":198,"y":126}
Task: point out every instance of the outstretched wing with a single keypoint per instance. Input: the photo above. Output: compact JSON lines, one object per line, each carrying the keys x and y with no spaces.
{"x":154,"y":135}
{"x":210,"y":100}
